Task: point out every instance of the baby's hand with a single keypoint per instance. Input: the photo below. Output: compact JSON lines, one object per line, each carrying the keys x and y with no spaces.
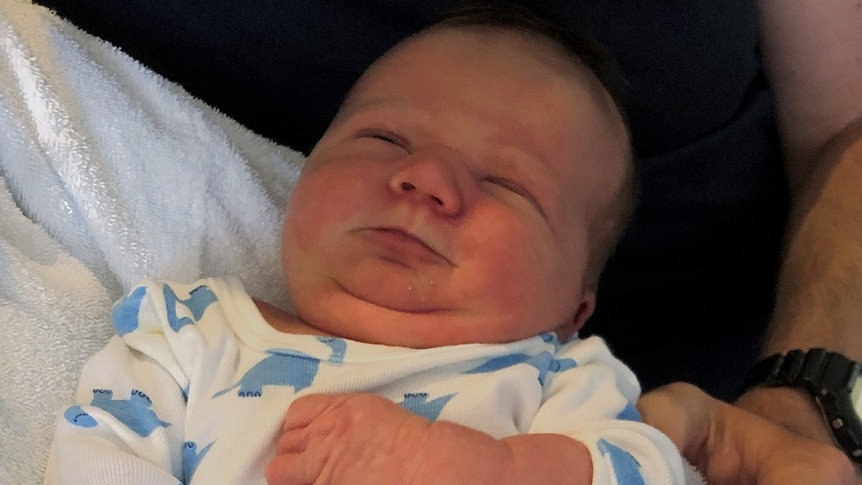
{"x":348,"y":438}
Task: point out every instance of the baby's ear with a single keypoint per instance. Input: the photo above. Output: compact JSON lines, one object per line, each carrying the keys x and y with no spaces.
{"x":584,"y":312}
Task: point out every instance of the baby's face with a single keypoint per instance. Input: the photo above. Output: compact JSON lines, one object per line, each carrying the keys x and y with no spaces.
{"x":449,"y":201}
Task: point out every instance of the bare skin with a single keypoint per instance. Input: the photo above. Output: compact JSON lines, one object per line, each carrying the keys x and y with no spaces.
{"x":734,"y":447}
{"x":399,"y":233}
{"x":813,"y":58}
{"x":366,"y":439}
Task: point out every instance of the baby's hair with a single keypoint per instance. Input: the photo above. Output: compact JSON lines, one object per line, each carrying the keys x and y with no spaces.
{"x":581,"y":47}
{"x":583,"y":50}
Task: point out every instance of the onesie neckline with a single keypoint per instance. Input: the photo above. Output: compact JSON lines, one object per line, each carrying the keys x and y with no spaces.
{"x":252,"y":329}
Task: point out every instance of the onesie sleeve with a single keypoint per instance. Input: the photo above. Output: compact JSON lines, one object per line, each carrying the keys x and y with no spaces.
{"x":126,"y":425}
{"x":589,"y":395}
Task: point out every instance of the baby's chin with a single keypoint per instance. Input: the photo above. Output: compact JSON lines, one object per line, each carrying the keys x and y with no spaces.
{"x":406,"y":300}
{"x":371,"y":323}
{"x":394,"y":313}
{"x":374,"y":324}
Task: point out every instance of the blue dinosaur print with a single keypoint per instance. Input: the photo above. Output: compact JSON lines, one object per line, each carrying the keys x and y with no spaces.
{"x":561,"y":365}
{"x":629,"y":413}
{"x":284,"y":368}
{"x":281,"y":368}
{"x":418,"y":403}
{"x":198,"y":301}
{"x":550,"y":337}
{"x":124,"y":314}
{"x":543,"y":362}
{"x":625,"y":466}
{"x":499,"y":363}
{"x":135,"y":412}
{"x":338,"y":346}
{"x":192,"y":458}
{"x":77,"y":416}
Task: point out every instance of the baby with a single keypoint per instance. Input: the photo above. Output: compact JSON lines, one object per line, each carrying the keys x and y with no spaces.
{"x":441,"y":249}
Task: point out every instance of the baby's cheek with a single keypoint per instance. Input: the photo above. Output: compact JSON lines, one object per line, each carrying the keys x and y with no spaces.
{"x":512,"y":280}
{"x":311,"y":210}
{"x":298,"y":231}
{"x":538,"y":280}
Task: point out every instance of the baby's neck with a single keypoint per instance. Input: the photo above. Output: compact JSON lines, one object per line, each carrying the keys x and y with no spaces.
{"x":286,"y":322}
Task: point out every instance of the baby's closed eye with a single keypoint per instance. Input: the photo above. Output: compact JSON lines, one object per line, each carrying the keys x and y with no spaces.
{"x":515,"y":188}
{"x":386,"y":137}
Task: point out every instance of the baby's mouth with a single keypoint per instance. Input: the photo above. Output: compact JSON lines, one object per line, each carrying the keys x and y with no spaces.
{"x":401,"y":247}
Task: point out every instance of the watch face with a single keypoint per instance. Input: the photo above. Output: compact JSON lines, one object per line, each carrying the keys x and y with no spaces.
{"x":856,"y":395}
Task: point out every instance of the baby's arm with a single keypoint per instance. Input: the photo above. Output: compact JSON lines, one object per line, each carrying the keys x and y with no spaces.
{"x":585,"y":432}
{"x":125,"y":426}
{"x":590,"y":396}
{"x":127,"y":421}
{"x":367,"y":439}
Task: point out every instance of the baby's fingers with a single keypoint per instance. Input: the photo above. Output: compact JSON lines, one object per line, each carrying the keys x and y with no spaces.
{"x":290,"y":469}
{"x":292,"y":442}
{"x":295,"y":463}
{"x":303,"y":411}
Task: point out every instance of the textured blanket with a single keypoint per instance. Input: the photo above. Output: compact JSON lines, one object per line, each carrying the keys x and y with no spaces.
{"x":108,"y":174}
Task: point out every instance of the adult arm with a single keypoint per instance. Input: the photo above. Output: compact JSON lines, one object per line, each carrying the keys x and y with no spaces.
{"x":814,"y":61}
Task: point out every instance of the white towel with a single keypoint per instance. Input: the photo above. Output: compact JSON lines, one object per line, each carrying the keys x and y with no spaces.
{"x":108,"y":174}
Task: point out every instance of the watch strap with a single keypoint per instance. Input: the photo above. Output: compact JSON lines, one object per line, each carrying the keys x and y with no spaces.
{"x":829,"y":378}
{"x":813,"y":370}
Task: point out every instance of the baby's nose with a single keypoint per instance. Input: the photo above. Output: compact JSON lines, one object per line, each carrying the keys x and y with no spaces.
{"x":432,"y":181}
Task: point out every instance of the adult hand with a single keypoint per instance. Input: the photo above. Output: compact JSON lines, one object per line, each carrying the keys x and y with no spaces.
{"x":730,"y":445}
{"x":791,"y":408}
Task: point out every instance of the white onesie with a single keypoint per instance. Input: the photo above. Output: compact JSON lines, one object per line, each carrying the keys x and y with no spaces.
{"x":194,"y":387}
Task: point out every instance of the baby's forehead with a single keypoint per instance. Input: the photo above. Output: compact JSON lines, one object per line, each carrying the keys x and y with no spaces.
{"x":387,"y":72}
{"x":500,"y":44}
{"x":500,"y":38}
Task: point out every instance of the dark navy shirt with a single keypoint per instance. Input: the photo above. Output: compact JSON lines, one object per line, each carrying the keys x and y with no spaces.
{"x":690,"y":289}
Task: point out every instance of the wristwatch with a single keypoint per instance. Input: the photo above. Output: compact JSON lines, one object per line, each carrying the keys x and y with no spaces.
{"x":833,"y":380}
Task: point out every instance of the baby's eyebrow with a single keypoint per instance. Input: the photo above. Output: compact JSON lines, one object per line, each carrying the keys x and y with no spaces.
{"x":351,"y":106}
